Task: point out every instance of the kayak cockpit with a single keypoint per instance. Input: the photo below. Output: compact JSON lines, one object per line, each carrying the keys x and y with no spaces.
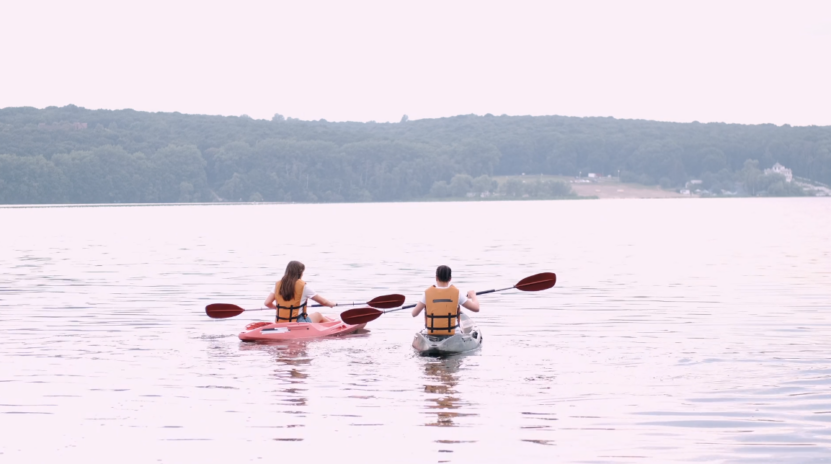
{"x":296,"y":330}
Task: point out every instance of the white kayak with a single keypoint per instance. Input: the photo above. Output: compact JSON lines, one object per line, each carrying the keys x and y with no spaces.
{"x":467,"y":337}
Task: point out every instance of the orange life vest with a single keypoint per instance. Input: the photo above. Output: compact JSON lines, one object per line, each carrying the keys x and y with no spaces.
{"x":441,"y":317}
{"x":291,"y":310}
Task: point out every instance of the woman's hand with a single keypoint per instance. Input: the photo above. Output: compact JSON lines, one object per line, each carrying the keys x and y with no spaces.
{"x":471,"y":294}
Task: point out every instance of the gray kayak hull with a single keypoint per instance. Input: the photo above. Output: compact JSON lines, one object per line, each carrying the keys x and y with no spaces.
{"x":468,"y":337}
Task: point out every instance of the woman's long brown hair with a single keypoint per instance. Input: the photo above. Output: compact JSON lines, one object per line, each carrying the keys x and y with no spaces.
{"x":294,"y":271}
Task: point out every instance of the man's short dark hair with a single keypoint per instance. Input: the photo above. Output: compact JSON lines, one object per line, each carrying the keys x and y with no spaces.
{"x":443,"y":273}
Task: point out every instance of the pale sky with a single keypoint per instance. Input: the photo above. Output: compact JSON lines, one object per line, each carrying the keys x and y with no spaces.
{"x":728,"y":61}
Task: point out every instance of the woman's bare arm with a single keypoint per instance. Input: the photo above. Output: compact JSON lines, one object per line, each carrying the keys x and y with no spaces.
{"x":269,"y":301}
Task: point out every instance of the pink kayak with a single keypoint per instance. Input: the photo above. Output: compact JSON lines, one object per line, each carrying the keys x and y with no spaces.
{"x":265,"y":331}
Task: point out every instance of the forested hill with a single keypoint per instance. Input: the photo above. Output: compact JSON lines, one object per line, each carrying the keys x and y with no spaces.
{"x":75,"y":155}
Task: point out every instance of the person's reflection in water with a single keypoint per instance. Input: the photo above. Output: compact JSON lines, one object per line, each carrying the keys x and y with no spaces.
{"x":441,"y":389}
{"x":292,"y":358}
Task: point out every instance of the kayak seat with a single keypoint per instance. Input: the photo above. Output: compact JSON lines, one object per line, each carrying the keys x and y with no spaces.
{"x":256,"y":325}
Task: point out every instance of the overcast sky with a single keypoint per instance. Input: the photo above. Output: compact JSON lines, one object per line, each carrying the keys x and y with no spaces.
{"x":730,"y":61}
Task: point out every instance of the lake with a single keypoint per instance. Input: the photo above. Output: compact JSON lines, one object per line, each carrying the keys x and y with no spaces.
{"x":679,"y":330}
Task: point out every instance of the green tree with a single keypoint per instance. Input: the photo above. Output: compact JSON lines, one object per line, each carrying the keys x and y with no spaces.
{"x":173,"y":166}
{"x":751,"y":177}
{"x":461,"y":185}
{"x":440,"y":189}
{"x":106,"y":174}
{"x":512,"y":188}
{"x":30,"y":179}
{"x":484,"y":185}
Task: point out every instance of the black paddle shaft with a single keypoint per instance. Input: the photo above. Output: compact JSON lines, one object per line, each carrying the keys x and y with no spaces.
{"x":491,"y":291}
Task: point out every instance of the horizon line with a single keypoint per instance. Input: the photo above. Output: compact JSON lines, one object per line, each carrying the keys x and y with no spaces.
{"x":323,"y":120}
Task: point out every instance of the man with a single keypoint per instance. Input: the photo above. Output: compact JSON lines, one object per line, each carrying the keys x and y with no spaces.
{"x":442,"y":302}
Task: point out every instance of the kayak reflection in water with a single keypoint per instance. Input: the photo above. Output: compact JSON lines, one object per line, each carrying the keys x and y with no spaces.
{"x":291,"y":295}
{"x":441,"y":377}
{"x":442,"y":302}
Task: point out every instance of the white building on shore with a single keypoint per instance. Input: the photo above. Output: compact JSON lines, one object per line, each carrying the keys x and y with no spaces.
{"x":779,"y":169}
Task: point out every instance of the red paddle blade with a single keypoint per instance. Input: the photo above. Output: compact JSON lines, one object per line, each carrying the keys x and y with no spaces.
{"x":537,"y":282}
{"x":360,"y":315}
{"x":387,"y":301}
{"x":223,"y":310}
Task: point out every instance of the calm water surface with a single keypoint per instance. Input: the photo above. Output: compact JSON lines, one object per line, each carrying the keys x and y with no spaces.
{"x":679,"y":330}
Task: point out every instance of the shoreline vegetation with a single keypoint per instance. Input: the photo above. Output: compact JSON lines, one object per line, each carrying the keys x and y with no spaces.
{"x":272,"y":203}
{"x":610,"y":189}
{"x":72,"y":155}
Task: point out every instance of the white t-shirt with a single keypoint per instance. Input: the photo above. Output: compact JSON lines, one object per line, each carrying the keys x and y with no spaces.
{"x":462,"y":296}
{"x":308,"y":293}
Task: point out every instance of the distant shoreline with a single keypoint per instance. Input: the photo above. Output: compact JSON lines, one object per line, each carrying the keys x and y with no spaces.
{"x":71,"y":155}
{"x":443,"y":200}
{"x":606,"y":190}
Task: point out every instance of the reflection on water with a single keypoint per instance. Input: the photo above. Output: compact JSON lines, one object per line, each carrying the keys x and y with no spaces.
{"x":291,"y":389}
{"x":445,"y":402}
{"x":443,"y":399}
{"x":679,"y":331}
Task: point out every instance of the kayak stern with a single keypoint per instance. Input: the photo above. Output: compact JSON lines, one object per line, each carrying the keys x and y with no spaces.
{"x":467,"y":338}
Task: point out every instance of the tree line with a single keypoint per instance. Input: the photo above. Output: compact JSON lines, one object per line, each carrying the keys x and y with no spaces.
{"x":75,"y":155}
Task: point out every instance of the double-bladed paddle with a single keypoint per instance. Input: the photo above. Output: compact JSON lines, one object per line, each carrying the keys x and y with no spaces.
{"x":533,"y":283}
{"x":225,"y":310}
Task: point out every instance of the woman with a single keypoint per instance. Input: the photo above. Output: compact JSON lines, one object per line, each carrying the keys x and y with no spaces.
{"x":291,"y":295}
